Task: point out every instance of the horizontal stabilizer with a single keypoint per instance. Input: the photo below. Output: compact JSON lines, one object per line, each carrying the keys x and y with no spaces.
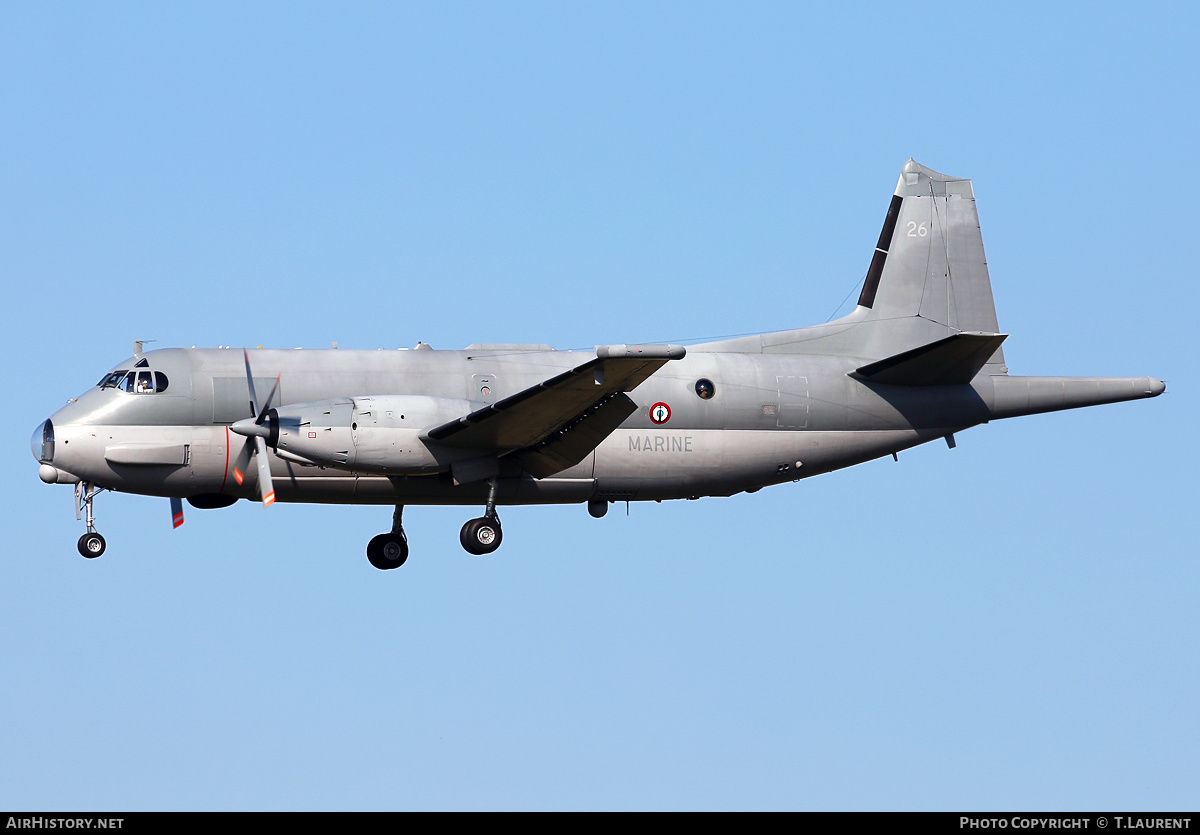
{"x":951,"y":361}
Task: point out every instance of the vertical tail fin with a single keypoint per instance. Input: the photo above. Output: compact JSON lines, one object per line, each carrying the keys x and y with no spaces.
{"x":928,"y":267}
{"x":928,"y":280}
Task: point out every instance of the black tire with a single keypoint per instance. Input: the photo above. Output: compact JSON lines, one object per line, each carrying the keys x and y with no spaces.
{"x":91,"y":545}
{"x":387,"y":551}
{"x":481,"y":536}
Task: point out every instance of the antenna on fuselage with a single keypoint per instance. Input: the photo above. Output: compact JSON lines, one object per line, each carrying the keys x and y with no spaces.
{"x":138,"y":343}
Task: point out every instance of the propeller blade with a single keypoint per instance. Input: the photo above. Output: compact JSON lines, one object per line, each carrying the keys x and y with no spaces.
{"x":265,"y":487}
{"x":266,"y":406}
{"x":243,"y":461}
{"x":250,"y":383}
{"x":176,"y":512}
{"x":252,"y":430}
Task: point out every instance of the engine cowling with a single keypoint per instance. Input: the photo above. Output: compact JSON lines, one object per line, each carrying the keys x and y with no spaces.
{"x":373,"y":434}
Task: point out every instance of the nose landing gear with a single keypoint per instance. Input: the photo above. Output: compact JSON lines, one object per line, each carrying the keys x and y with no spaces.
{"x":91,"y":544}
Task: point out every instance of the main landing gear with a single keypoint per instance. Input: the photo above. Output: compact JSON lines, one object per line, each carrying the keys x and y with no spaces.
{"x":389,"y":550}
{"x":91,"y":544}
{"x":483,"y":535}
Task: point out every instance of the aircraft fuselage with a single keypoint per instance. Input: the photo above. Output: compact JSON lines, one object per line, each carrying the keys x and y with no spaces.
{"x":768,"y":419}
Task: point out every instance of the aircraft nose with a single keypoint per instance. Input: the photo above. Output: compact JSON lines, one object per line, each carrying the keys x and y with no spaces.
{"x":42,"y":442}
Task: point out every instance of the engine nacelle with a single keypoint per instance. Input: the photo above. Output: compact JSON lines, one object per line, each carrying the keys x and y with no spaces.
{"x":375,"y":434}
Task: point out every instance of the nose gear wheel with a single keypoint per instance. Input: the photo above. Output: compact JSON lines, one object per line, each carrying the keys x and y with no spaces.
{"x":91,"y":545}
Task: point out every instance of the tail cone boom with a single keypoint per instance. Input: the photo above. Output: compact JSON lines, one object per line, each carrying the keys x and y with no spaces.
{"x":1017,"y":396}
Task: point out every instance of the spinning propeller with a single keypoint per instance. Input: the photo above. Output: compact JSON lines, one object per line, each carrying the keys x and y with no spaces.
{"x":256,"y":431}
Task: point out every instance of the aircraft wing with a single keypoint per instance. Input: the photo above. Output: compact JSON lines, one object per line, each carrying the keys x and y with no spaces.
{"x":557,"y":422}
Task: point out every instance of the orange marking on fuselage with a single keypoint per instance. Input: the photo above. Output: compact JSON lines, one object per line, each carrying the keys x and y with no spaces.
{"x":225,"y":475}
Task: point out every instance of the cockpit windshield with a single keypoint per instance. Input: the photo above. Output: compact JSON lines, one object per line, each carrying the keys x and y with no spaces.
{"x":135,"y":382}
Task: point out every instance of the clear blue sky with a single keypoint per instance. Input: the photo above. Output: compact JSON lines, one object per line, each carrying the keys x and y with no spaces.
{"x":1009,"y":624}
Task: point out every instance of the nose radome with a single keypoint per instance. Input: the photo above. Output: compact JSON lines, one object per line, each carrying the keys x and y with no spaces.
{"x":42,"y":442}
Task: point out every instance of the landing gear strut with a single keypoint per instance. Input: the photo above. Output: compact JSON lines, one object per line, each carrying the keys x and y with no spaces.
{"x":483,"y":535}
{"x":91,"y":544}
{"x":389,"y":550}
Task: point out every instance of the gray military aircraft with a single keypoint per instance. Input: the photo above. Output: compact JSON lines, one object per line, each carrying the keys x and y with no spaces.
{"x":918,"y":359}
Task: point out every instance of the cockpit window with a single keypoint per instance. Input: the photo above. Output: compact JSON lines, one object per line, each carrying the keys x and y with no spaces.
{"x":111,"y":380}
{"x":136,"y":381}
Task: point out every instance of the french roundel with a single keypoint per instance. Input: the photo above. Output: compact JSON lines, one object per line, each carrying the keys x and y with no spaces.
{"x":660,"y":413}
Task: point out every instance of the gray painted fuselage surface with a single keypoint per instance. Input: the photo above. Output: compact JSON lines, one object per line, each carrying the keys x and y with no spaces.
{"x":919,"y":359}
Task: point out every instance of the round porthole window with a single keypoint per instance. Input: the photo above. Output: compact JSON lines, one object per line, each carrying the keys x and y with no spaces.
{"x":705,"y":389}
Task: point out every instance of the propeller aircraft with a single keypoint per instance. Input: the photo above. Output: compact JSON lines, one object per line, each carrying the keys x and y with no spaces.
{"x":919,"y":359}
